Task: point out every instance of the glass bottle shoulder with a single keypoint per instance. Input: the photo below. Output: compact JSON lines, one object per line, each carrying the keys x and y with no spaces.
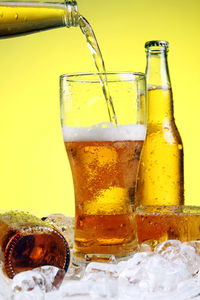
{"x":163,"y":133}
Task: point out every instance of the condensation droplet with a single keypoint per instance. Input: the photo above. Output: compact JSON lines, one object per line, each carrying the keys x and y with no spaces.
{"x":180,"y":147}
{"x":16,"y":16}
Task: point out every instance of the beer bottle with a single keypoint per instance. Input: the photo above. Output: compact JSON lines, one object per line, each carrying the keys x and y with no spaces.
{"x":26,"y":242}
{"x":160,"y":176}
{"x":21,"y":17}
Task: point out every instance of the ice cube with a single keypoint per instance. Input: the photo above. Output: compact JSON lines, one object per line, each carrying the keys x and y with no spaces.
{"x":103,"y":278}
{"x":167,"y":274}
{"x":180,"y":253}
{"x":168,"y":249}
{"x":154,"y":273}
{"x":98,"y":282}
{"x":97,"y":270}
{"x":28,"y":285}
{"x":145,"y":247}
{"x":133,"y":262}
{"x":53,"y":277}
{"x":195,"y":245}
{"x":27,"y":281}
{"x":75,"y":272}
{"x":34,"y":284}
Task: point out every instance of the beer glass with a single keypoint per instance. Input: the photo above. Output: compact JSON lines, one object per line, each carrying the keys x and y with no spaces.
{"x":104,"y":159}
{"x":156,"y":224}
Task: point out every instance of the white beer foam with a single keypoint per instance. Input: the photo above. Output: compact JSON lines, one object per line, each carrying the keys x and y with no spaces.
{"x":105,"y":132}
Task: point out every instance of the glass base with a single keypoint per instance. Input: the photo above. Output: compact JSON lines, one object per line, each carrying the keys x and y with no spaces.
{"x":107,"y":258}
{"x":104,"y":253}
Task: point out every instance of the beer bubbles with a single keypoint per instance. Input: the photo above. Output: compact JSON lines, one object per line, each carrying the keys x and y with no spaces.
{"x":104,"y":160}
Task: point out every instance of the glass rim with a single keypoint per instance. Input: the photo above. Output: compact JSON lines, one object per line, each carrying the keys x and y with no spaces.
{"x":167,"y":209}
{"x":86,"y":77}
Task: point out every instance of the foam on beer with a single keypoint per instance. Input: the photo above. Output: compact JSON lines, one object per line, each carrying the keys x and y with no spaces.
{"x":104,"y":132}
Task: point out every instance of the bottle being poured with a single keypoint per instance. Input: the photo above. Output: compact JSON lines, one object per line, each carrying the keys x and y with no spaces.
{"x":20,"y":18}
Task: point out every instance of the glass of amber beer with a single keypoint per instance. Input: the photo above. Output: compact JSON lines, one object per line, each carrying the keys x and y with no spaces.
{"x":104,"y":158}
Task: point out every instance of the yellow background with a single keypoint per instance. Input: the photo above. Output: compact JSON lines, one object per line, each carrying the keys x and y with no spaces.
{"x":34,"y":170}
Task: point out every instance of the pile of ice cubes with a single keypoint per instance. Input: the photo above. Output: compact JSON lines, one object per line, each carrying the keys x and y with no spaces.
{"x":170,"y":272}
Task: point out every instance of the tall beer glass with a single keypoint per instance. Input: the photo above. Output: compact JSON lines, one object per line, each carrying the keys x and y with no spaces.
{"x":104,"y":158}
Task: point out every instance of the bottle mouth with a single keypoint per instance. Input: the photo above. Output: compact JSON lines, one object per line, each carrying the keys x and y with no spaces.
{"x":156,"y":46}
{"x":30,"y":249}
{"x":72,"y":17}
{"x":156,"y":43}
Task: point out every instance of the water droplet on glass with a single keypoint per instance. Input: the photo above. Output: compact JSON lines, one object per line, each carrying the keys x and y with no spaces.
{"x":16,"y":16}
{"x":166,"y":128}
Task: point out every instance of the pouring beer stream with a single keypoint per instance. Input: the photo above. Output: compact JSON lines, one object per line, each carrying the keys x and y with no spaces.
{"x":20,"y":18}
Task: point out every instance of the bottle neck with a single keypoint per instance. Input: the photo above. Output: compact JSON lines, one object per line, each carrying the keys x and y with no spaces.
{"x":160,"y":103}
{"x":72,"y":15}
{"x":157,"y":72}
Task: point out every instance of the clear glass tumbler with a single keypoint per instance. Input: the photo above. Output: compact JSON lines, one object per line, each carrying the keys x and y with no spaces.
{"x":156,"y":224}
{"x":104,"y":159}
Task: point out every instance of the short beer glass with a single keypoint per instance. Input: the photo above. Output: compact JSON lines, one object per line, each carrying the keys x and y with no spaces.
{"x":104,"y":159}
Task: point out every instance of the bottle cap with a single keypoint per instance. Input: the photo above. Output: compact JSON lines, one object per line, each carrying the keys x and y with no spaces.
{"x":156,"y":44}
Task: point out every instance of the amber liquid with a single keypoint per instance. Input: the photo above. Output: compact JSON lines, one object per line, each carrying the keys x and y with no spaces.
{"x":33,"y":251}
{"x":160,"y":178}
{"x":104,"y":175}
{"x":25,"y":17}
{"x":154,"y":229}
{"x":26,"y":242}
